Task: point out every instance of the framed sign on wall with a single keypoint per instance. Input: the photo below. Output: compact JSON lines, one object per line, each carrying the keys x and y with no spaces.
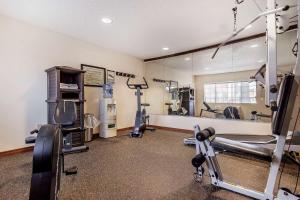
{"x":94,"y":76}
{"x":110,"y":76}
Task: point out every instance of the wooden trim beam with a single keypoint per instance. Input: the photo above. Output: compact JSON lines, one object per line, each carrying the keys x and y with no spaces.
{"x":207,"y":47}
{"x":251,"y":37}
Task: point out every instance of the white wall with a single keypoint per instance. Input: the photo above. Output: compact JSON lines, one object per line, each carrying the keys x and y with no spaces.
{"x":25,"y":52}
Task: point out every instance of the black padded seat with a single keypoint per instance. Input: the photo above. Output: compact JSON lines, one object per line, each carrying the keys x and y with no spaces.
{"x":66,"y":130}
{"x":257,"y":139}
{"x":240,"y":148}
{"x":66,"y":115}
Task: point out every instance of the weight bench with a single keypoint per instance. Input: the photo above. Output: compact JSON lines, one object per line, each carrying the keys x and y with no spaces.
{"x":240,"y":148}
{"x":261,"y":140}
{"x":208,"y":109}
{"x":207,"y":143}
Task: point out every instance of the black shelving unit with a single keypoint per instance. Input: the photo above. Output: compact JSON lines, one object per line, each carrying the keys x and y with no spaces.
{"x":67,"y":75}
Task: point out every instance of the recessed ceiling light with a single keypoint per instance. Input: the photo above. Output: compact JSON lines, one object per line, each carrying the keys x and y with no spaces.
{"x":165,"y":48}
{"x":187,"y":58}
{"x":260,"y":61}
{"x":249,"y":26}
{"x":106,"y":20}
{"x":254,"y":45}
{"x":206,"y":68}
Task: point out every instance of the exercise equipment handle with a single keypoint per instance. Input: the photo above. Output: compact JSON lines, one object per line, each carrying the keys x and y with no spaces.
{"x":135,"y":86}
{"x":145,"y":86}
{"x":131,"y":86}
{"x":34,"y":131}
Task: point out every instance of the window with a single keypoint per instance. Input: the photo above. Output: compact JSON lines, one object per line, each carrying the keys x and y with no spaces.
{"x":230,"y":92}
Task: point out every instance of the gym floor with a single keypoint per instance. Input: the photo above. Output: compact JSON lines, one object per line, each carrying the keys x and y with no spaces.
{"x":158,"y":166}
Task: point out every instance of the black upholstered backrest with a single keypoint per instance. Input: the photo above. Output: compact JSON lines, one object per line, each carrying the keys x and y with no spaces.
{"x":282,"y":103}
{"x":208,"y":108}
{"x":65,"y":113}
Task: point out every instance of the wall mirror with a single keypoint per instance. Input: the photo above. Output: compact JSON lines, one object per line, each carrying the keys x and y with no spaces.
{"x":223,"y":87}
{"x":171,"y":86}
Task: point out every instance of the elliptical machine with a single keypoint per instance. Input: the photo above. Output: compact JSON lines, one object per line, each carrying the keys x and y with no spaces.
{"x":141,"y":117}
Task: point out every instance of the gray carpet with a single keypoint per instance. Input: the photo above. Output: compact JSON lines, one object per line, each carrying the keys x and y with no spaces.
{"x":157,"y":166}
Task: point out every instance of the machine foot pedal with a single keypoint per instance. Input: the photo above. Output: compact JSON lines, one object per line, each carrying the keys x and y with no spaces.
{"x":150,"y":129}
{"x":189,"y":141}
{"x":134,"y":135}
{"x":71,"y":171}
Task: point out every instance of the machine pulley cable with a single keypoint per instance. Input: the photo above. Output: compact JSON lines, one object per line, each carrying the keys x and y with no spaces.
{"x":234,"y":10}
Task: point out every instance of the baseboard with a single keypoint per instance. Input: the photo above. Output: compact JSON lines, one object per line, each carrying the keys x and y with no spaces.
{"x":120,"y":132}
{"x":173,"y":129}
{"x":95,"y":136}
{"x":124,"y":131}
{"x":16,"y":151}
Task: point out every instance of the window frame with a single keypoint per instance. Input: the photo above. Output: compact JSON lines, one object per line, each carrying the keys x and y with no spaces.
{"x":238,"y":101}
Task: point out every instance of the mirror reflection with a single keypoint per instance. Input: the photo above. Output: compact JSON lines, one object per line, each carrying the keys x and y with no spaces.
{"x":171,"y":86}
{"x":226,"y":87}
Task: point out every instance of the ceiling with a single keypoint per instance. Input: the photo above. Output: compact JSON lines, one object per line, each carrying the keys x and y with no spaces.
{"x":248,"y":55}
{"x":140,"y":27}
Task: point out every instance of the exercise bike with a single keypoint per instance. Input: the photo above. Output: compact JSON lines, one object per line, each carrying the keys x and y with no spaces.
{"x":141,"y":117}
{"x":48,"y":154}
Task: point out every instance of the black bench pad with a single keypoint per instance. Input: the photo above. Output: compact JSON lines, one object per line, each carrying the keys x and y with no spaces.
{"x":242,"y":148}
{"x":257,"y":139}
